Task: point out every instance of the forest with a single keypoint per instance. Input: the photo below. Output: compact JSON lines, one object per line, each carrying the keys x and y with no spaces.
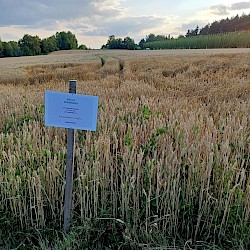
{"x":237,"y":23}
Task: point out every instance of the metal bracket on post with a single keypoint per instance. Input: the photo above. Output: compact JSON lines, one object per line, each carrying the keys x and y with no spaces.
{"x":69,"y":169}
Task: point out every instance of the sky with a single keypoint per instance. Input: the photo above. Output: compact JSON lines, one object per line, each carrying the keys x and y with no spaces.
{"x":93,"y":21}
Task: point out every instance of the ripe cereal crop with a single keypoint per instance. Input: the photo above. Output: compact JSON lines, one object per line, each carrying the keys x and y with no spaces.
{"x":169,"y":164}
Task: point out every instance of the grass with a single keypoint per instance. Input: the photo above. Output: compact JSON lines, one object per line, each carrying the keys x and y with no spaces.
{"x":167,"y":168}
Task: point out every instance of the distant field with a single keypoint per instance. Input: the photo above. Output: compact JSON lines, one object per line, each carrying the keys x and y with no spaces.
{"x":169,"y":164}
{"x":79,"y":56}
{"x":10,"y":67}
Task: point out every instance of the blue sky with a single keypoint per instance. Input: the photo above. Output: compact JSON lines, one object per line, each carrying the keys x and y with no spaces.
{"x":93,"y":21}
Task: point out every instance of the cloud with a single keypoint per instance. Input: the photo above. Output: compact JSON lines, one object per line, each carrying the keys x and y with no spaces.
{"x":240,"y":6}
{"x":220,"y":9}
{"x":10,"y":36}
{"x":33,"y":13}
{"x":124,"y":26}
{"x":90,"y":17}
{"x":223,"y":10}
{"x":107,"y":7}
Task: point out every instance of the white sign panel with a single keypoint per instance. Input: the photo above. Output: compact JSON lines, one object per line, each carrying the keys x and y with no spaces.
{"x":68,"y":110}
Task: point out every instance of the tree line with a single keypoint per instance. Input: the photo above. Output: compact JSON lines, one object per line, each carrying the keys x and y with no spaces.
{"x":118,"y":43}
{"x":33,"y":45}
{"x":129,"y":43}
{"x":237,"y":23}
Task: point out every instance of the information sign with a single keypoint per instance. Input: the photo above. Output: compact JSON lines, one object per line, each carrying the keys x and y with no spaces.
{"x":68,"y":110}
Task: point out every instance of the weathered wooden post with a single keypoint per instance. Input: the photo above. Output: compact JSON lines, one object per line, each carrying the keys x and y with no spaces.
{"x":69,"y":168}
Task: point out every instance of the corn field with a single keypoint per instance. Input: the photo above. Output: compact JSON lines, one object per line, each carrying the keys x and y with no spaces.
{"x":169,"y":162}
{"x":228,"y":40}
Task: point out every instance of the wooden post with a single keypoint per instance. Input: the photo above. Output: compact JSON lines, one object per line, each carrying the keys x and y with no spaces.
{"x":69,"y":169}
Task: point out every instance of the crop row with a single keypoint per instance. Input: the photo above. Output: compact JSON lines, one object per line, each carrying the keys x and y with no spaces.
{"x":229,"y":40}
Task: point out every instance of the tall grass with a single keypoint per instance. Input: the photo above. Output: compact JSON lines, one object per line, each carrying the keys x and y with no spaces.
{"x":228,"y":40}
{"x":169,"y":162}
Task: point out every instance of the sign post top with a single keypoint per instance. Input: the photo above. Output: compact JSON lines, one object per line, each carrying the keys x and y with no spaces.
{"x":72,"y":86}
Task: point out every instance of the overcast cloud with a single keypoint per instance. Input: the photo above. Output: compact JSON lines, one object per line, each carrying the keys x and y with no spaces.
{"x":120,"y":26}
{"x":35,"y":12}
{"x":95,"y":20}
{"x":222,"y":9}
{"x":240,"y":6}
{"x":86,"y":17}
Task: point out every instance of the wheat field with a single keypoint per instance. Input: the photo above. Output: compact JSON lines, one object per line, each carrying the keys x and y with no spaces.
{"x":168,"y":165}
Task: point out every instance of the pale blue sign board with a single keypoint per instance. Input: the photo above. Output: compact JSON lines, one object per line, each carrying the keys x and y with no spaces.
{"x":66,"y":110}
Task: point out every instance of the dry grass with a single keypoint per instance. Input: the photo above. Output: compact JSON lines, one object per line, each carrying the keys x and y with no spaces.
{"x":170,"y":158}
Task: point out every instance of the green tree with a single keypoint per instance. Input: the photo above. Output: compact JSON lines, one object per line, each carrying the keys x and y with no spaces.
{"x":16,"y":48}
{"x":66,"y":41}
{"x":129,"y":43}
{"x":118,"y":43}
{"x":7,"y":49}
{"x":160,"y":38}
{"x":114,"y":43}
{"x":193,"y":32}
{"x":1,"y":49}
{"x":83,"y":47}
{"x":142,"y":43}
{"x":205,"y":30}
{"x":150,"y":38}
{"x":196,"y":31}
{"x":49,"y":45}
{"x":214,"y":28}
{"x":30,"y":45}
